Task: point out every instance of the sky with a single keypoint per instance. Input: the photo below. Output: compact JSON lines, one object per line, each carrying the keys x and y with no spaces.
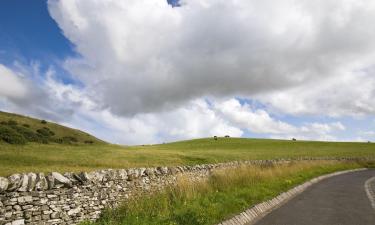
{"x":151,"y":71}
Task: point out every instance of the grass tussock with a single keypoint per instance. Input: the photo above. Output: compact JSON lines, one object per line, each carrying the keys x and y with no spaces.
{"x":225,"y":193}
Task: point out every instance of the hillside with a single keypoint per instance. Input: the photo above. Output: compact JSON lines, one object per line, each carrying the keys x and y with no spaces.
{"x":85,"y":157}
{"x":18,"y":129}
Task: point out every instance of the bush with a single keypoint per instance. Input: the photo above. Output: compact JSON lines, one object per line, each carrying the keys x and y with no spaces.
{"x":11,"y":136}
{"x":43,"y":122}
{"x":89,"y":142}
{"x":58,"y":140}
{"x":26,"y":125}
{"x":69,"y":139}
{"x":12,"y":123}
{"x":27,"y":133}
{"x":46,"y":132}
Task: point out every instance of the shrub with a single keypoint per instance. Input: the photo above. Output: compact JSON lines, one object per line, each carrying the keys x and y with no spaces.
{"x":27,"y":133}
{"x":89,"y":142}
{"x":11,"y":136}
{"x":58,"y":140}
{"x":12,"y":123}
{"x":46,"y":132}
{"x":43,"y":122}
{"x":69,"y":139}
{"x":26,"y":125}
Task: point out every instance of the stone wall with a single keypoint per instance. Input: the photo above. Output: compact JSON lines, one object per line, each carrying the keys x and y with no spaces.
{"x":73,"y":197}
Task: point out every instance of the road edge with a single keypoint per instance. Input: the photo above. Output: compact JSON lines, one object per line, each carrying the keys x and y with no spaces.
{"x":258,"y":211}
{"x":370,"y":192}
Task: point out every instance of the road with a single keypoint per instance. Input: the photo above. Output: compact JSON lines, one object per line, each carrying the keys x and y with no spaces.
{"x":340,"y":200}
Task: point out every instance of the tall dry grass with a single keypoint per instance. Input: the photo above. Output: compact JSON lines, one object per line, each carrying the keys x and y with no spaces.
{"x":226,"y":192}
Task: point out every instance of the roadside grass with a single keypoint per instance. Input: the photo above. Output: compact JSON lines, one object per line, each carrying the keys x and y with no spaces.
{"x":34,"y":157}
{"x":226,"y":193}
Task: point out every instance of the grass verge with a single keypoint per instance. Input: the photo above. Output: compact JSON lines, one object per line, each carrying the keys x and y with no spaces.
{"x":224,"y":194}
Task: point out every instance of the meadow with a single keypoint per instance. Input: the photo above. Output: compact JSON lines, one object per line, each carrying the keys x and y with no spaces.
{"x":38,"y":157}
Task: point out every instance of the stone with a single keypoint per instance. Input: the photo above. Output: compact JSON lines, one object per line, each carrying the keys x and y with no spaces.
{"x":18,"y":222}
{"x":174,"y":170}
{"x":74,"y":211}
{"x":50,"y":181}
{"x":96,"y":177}
{"x":24,"y":183}
{"x":132,"y":174}
{"x":77,"y":178}
{"x":141,"y":172}
{"x":3,"y":184}
{"x":14,"y":182}
{"x":32,"y":181}
{"x":24,"y":199}
{"x":73,"y":179}
{"x":83,"y":176}
{"x":162,"y":170}
{"x":150,"y":172}
{"x":123,"y":175}
{"x":60,"y":180}
{"x":41,"y":182}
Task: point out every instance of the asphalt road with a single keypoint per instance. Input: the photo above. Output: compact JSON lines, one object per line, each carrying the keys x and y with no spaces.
{"x":339,"y":200}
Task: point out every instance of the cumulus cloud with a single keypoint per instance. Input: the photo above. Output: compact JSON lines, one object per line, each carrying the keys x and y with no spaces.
{"x":11,"y":84}
{"x":25,"y":89}
{"x":201,"y":117}
{"x":350,"y":93}
{"x":152,"y":73}
{"x":142,"y":56}
{"x":259,"y":121}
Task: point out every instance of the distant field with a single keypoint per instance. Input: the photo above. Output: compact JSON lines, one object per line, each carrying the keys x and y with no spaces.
{"x":56,"y":157}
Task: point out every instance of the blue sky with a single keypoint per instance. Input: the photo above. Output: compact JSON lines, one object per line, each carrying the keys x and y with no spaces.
{"x":28,"y":33}
{"x":143,"y":71}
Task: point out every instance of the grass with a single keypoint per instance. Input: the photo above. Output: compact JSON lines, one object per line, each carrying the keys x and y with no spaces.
{"x":35,"y":130}
{"x":226,"y":193}
{"x":81,"y":157}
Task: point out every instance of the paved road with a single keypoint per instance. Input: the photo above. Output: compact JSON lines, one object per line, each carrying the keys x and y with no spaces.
{"x":340,"y":200}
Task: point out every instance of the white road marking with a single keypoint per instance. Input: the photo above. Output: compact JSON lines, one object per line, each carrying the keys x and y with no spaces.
{"x":370,"y":190}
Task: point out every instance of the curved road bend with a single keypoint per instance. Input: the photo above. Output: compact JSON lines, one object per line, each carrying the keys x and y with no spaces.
{"x":340,"y":200}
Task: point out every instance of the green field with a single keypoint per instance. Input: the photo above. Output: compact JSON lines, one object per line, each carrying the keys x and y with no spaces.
{"x":55,"y":157}
{"x":81,"y":156}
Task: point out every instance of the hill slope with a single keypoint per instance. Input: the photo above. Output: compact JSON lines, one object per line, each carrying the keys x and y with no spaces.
{"x":83,"y":157}
{"x":17,"y":129}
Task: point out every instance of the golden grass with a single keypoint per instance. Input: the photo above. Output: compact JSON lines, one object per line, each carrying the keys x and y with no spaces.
{"x":226,"y":193}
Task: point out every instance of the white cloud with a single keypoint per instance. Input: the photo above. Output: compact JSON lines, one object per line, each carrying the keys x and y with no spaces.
{"x":260,"y":122}
{"x":152,"y":73}
{"x":351,"y":93}
{"x":142,"y":56}
{"x":72,"y":106}
{"x":11,"y":85}
{"x":256,"y":121}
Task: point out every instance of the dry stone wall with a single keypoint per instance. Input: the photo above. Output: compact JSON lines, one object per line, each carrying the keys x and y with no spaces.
{"x":69,"y":198}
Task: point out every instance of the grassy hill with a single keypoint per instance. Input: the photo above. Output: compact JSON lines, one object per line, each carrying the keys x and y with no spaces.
{"x":17,"y":129}
{"x":86,"y":152}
